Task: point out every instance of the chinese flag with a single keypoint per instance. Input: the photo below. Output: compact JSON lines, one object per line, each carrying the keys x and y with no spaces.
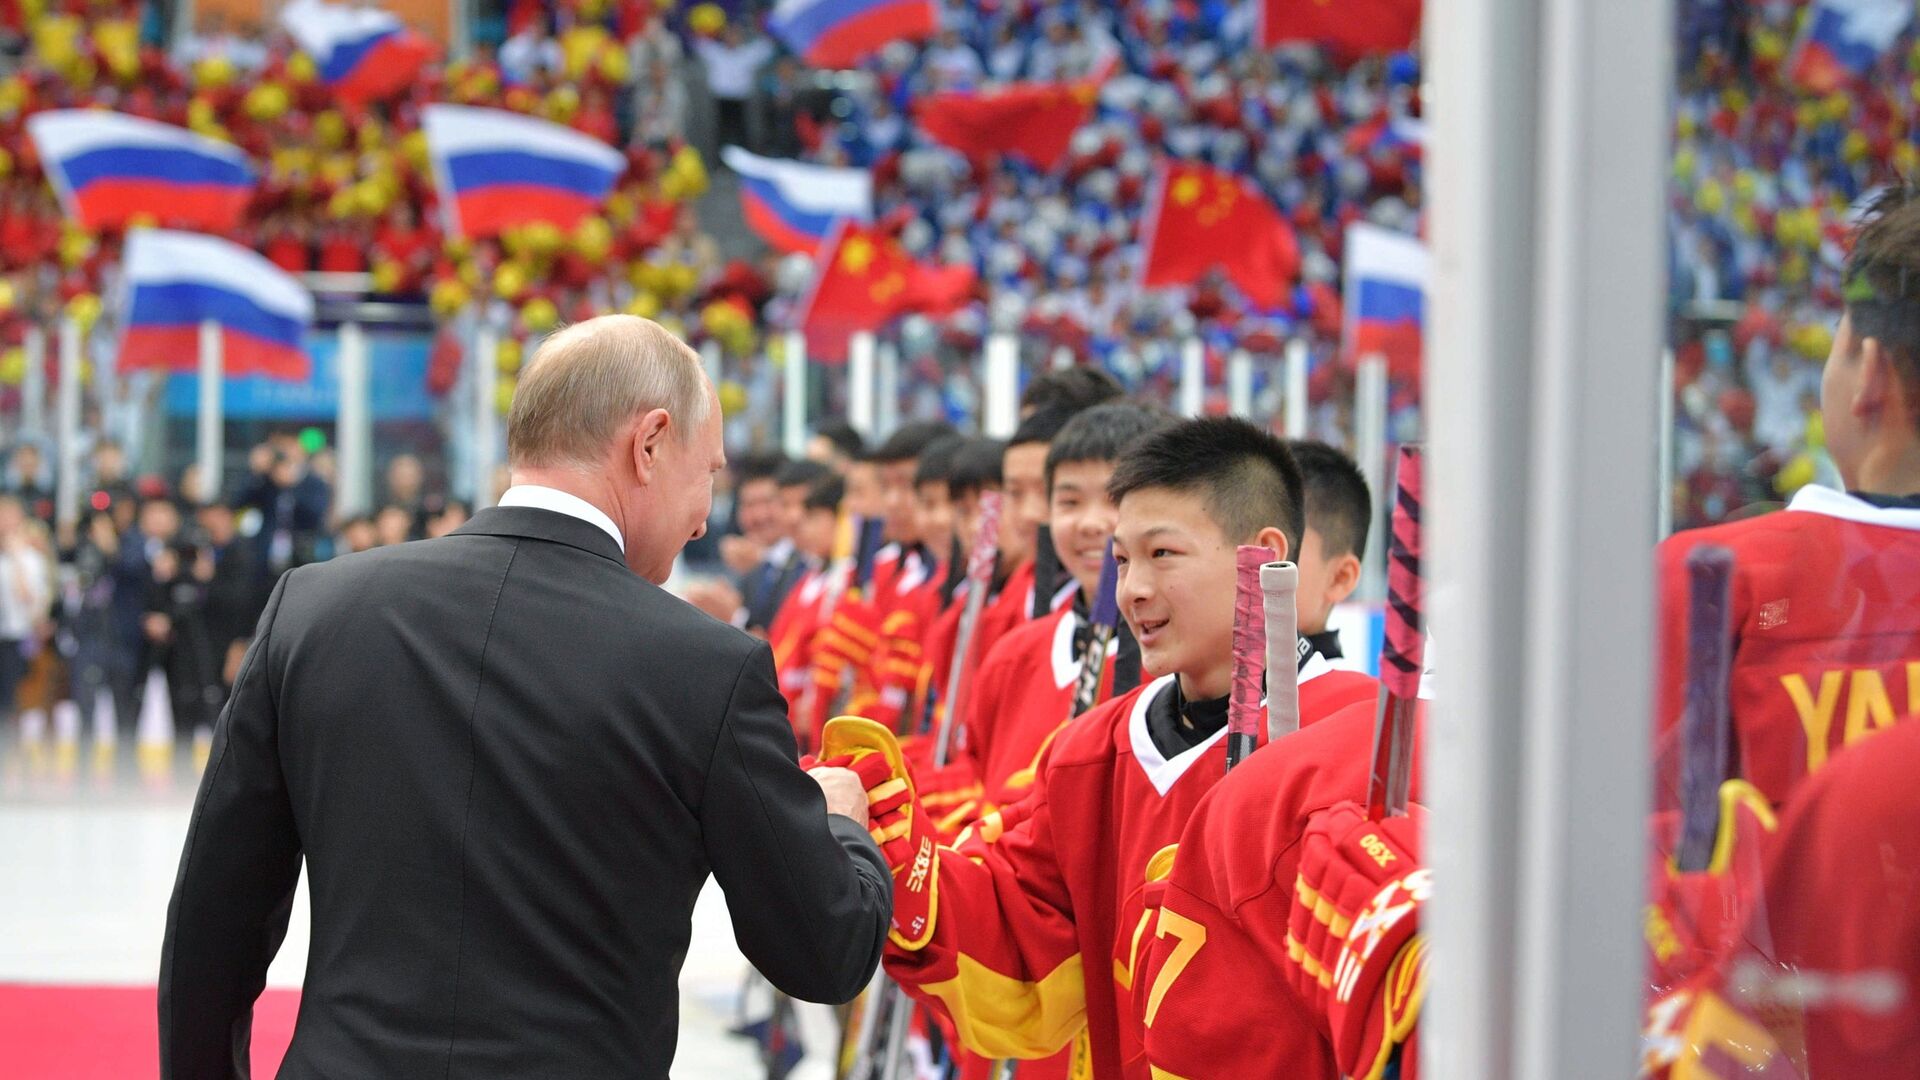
{"x":1033,"y":120}
{"x":1354,"y":27}
{"x":865,"y":278}
{"x":1205,"y":218}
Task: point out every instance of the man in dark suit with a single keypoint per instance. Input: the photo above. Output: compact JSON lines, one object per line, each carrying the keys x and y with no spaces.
{"x":510,"y":761}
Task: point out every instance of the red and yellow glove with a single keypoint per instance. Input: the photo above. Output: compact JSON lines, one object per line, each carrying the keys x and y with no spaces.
{"x":1354,"y":947}
{"x":896,"y":819}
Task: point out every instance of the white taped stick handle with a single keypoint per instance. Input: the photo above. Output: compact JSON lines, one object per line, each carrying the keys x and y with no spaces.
{"x":1278,"y":582}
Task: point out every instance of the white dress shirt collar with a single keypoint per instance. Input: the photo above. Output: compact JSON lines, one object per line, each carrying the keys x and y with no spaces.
{"x":560,"y":502}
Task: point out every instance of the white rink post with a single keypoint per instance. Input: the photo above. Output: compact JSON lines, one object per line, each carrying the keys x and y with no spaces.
{"x":1297,"y":415}
{"x":860,"y":378}
{"x":1546,"y":165}
{"x":353,"y":422}
{"x":793,"y":395}
{"x":33,"y":383}
{"x":66,"y":498}
{"x":1001,"y":411}
{"x":1193,"y":377}
{"x":211,"y":429}
{"x":1370,"y":453}
{"x":887,"y":388}
{"x":1240,"y":383}
{"x":485,"y":359}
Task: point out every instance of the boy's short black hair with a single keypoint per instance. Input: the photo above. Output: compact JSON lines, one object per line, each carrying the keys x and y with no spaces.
{"x":976,"y":466}
{"x":1103,"y":433}
{"x":844,"y":437}
{"x":1339,"y":503}
{"x":802,"y":473}
{"x":936,"y":461}
{"x":1246,"y":478}
{"x":909,"y":441}
{"x":1073,"y":389}
{"x":826,"y":493}
{"x":1041,"y":427}
{"x":1882,"y":282}
{"x":757,"y":465}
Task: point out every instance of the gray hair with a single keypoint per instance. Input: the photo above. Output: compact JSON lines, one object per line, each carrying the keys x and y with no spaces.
{"x":589,"y":379}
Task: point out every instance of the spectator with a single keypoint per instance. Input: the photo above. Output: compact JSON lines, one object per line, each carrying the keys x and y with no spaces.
{"x":357,"y":534}
{"x":531,"y":56}
{"x":392,"y":525}
{"x":292,"y":502}
{"x":216,"y":40}
{"x":236,"y":593}
{"x":25,"y":594}
{"x":180,"y":637}
{"x":659,"y":107}
{"x":732,"y":61}
{"x":27,"y":480}
{"x":451,"y":516}
{"x":951,"y":64}
{"x":406,"y":488}
{"x":111,"y":488}
{"x":90,"y":639}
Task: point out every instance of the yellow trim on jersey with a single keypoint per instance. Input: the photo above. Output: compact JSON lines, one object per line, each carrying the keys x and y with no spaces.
{"x":1733,"y":795}
{"x":1401,"y":996}
{"x":1160,"y":867}
{"x":1155,"y":1072}
{"x":999,"y":1016}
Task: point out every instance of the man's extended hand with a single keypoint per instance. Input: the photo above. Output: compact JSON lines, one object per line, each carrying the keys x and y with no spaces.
{"x":846,"y":794}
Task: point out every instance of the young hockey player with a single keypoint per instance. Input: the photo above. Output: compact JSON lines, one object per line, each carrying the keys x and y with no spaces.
{"x":1023,"y":690}
{"x":1339,"y":515}
{"x":1826,"y":641}
{"x":1013,"y":935}
{"x":799,"y":618}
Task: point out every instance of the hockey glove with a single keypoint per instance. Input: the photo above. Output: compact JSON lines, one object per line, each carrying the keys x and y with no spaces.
{"x":896,"y":819}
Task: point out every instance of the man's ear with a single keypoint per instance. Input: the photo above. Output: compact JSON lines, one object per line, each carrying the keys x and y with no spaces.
{"x":650,"y":434}
{"x":1346,"y":578}
{"x":1275,"y":541}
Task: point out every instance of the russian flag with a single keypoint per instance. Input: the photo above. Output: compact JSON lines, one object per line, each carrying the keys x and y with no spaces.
{"x":174,"y":281}
{"x":108,"y":167}
{"x":497,"y":169}
{"x":842,"y":33}
{"x":364,"y":54}
{"x":793,"y":205}
{"x":1844,"y":39}
{"x":1385,"y":302}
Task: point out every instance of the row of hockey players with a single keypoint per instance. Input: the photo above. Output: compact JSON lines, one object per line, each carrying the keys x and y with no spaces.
{"x":1081,"y":886}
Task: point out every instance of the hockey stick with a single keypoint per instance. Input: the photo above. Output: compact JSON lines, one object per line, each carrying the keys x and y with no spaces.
{"x":1101,"y":619}
{"x":1705,"y":728}
{"x":1278,"y":583}
{"x":1249,"y":654}
{"x":1402,"y":652}
{"x":979,"y":575}
{"x":1046,"y":573}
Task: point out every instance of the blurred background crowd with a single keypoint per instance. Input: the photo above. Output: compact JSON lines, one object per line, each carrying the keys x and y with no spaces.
{"x":161,"y":572}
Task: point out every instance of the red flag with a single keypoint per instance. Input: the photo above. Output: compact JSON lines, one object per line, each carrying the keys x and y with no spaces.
{"x":1200,"y":218}
{"x":1356,"y":27}
{"x":1034,"y":120}
{"x":865,"y":278}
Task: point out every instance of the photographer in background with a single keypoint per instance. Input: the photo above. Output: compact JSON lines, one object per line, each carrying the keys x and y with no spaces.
{"x":293,"y":503}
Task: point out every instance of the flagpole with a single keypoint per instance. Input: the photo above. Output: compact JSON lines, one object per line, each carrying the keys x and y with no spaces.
{"x":1193,"y":377}
{"x":212,"y":429}
{"x":793,"y":397}
{"x":1370,"y":452}
{"x":1000,"y":412}
{"x":353,"y":423}
{"x":33,"y":383}
{"x":1062,"y":357}
{"x":887,"y":414}
{"x":1296,"y":399}
{"x":860,"y":365}
{"x":67,"y":423}
{"x":1240,"y":383}
{"x":484,"y":359}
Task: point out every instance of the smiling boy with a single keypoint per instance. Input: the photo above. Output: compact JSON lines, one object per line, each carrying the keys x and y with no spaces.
{"x":1024,"y":934}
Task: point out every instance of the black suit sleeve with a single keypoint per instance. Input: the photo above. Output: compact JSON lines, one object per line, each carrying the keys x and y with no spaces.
{"x":809,"y":893}
{"x":235,"y":888}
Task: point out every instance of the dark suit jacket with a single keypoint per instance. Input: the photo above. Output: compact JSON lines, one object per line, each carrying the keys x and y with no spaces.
{"x":510,"y":764}
{"x":765,"y":588}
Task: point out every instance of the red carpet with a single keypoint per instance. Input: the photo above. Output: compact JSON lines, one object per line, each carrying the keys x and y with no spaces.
{"x":110,"y":1032}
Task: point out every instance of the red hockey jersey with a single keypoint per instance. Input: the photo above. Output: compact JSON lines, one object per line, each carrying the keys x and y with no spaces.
{"x":1826,"y":623}
{"x":791,"y":637}
{"x":1032,"y":924}
{"x":1837,"y":932}
{"x":1212,"y":998}
{"x":1022,"y":694}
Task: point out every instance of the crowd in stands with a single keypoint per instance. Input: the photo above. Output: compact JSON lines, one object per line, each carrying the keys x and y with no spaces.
{"x":1765,"y":176}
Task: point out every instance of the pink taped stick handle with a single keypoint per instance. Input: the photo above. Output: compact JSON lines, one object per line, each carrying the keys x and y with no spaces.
{"x":1244,"y":720}
{"x":1404,"y":650}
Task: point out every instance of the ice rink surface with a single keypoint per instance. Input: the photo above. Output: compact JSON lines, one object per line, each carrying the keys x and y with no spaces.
{"x":90,"y":848}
